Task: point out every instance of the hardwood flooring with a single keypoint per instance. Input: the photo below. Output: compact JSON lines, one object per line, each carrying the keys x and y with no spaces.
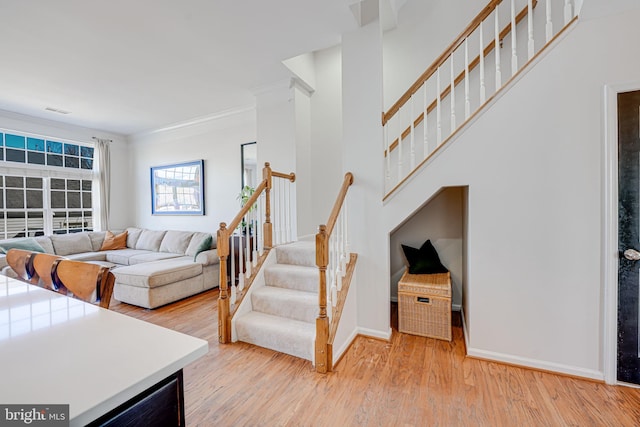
{"x":409,"y":381}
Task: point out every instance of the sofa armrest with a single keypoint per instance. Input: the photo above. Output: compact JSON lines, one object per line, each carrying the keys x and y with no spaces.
{"x":3,"y":261}
{"x":209,"y":257}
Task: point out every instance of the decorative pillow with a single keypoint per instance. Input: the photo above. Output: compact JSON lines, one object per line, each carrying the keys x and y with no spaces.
{"x":424,"y":260}
{"x":114,"y":242}
{"x":205,"y":245}
{"x":25,"y":244}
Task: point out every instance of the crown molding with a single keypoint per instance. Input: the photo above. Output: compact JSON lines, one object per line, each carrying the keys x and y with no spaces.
{"x":195,"y":121}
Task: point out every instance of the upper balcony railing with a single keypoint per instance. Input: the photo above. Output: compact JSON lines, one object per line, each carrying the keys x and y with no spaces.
{"x":435,"y":106}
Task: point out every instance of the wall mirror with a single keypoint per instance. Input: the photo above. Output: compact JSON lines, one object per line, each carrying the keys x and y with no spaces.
{"x":249,"y":164}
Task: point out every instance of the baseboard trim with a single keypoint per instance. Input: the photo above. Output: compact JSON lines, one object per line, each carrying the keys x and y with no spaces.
{"x":373,"y":333}
{"x":337,"y":355}
{"x":538,"y":365}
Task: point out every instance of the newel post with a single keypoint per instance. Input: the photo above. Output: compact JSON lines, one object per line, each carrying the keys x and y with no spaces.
{"x":224,"y":321}
{"x":322,"y":322}
{"x":267,"y":227}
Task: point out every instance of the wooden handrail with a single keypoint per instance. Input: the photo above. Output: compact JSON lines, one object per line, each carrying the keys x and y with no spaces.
{"x":223,"y":235}
{"x":348,"y":180}
{"x":248,"y":205}
{"x":486,"y":11}
{"x":472,"y":65}
{"x":323,"y":357}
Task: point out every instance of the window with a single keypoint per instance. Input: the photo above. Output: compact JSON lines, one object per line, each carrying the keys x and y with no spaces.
{"x":45,"y":186}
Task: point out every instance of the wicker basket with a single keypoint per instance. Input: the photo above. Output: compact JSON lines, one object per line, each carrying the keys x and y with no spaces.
{"x":424,"y":305}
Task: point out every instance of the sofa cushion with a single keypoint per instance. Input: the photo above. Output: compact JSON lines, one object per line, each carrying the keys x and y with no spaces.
{"x":196,"y":241}
{"x":209,"y":257}
{"x":88,"y":256}
{"x":27,"y":244}
{"x":151,"y":256}
{"x":133,"y":234}
{"x":73,"y":243}
{"x":150,"y":240}
{"x":154,"y":274}
{"x":176,"y":241}
{"x":114,"y":242}
{"x":122,"y":256}
{"x":96,"y":237}
{"x":45,"y":242}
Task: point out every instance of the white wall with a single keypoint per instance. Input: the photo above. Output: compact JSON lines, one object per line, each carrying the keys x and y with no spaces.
{"x":217,"y":141}
{"x":121,"y":214}
{"x":326,"y":134}
{"x":534,"y":204}
{"x":441,"y":221}
{"x":304,"y":196}
{"x":425,"y":29}
{"x":361,"y":106}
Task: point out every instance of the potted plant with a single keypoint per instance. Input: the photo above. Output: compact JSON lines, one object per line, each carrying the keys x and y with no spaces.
{"x":244,"y":196}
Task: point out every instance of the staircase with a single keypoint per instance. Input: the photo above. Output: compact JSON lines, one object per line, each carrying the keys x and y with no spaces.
{"x":284,"y":310}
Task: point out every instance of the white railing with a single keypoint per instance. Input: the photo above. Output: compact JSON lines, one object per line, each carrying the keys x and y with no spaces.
{"x":432,"y":112}
{"x":332,"y":258}
{"x":242,"y":245}
{"x":339,"y":252}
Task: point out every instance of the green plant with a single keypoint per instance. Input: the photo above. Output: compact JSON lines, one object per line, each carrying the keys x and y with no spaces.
{"x":245,"y":194}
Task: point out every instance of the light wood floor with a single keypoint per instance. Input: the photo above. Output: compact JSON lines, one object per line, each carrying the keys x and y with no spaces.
{"x":410,"y":381}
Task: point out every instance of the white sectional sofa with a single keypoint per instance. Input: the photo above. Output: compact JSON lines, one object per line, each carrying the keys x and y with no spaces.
{"x":156,"y":268}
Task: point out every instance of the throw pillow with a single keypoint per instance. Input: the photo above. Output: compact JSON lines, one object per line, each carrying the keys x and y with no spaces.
{"x":24,"y":244}
{"x":114,"y":242}
{"x":424,"y":260}
{"x":205,"y":245}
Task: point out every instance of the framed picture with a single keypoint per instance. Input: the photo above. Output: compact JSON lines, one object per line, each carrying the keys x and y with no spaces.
{"x":178,"y":189}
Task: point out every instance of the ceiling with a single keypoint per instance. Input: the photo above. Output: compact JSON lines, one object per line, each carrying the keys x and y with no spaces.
{"x":128,"y":66}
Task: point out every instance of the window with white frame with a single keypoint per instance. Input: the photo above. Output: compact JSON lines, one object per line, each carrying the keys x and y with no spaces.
{"x":45,"y":186}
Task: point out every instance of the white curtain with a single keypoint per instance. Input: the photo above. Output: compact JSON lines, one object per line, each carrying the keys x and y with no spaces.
{"x":102,"y":184}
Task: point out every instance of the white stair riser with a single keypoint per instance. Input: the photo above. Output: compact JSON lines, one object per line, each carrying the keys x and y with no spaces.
{"x":296,"y":254}
{"x":301,"y":308}
{"x":278,"y":337}
{"x":295,"y":278}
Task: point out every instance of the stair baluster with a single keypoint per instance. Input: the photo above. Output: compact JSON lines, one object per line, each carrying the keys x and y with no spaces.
{"x":568,"y":12}
{"x":452,"y":98}
{"x":425,"y":122}
{"x":549,"y":25}
{"x":498,"y":42}
{"x":483,"y":89}
{"x":467,"y":99}
{"x":395,"y":172}
{"x":252,"y":246}
{"x":531,"y":41}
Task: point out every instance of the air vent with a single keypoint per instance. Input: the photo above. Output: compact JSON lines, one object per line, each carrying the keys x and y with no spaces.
{"x":57,"y":110}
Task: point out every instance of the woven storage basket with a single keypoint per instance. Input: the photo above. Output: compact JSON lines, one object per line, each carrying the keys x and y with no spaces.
{"x":424,"y":305}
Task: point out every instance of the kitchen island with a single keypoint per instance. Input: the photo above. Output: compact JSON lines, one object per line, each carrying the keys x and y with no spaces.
{"x":104,"y":365}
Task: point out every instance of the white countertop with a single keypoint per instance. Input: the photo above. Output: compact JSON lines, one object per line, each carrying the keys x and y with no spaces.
{"x":59,"y":350}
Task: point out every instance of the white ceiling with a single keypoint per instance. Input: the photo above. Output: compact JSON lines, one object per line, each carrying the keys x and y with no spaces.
{"x":128,"y":66}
